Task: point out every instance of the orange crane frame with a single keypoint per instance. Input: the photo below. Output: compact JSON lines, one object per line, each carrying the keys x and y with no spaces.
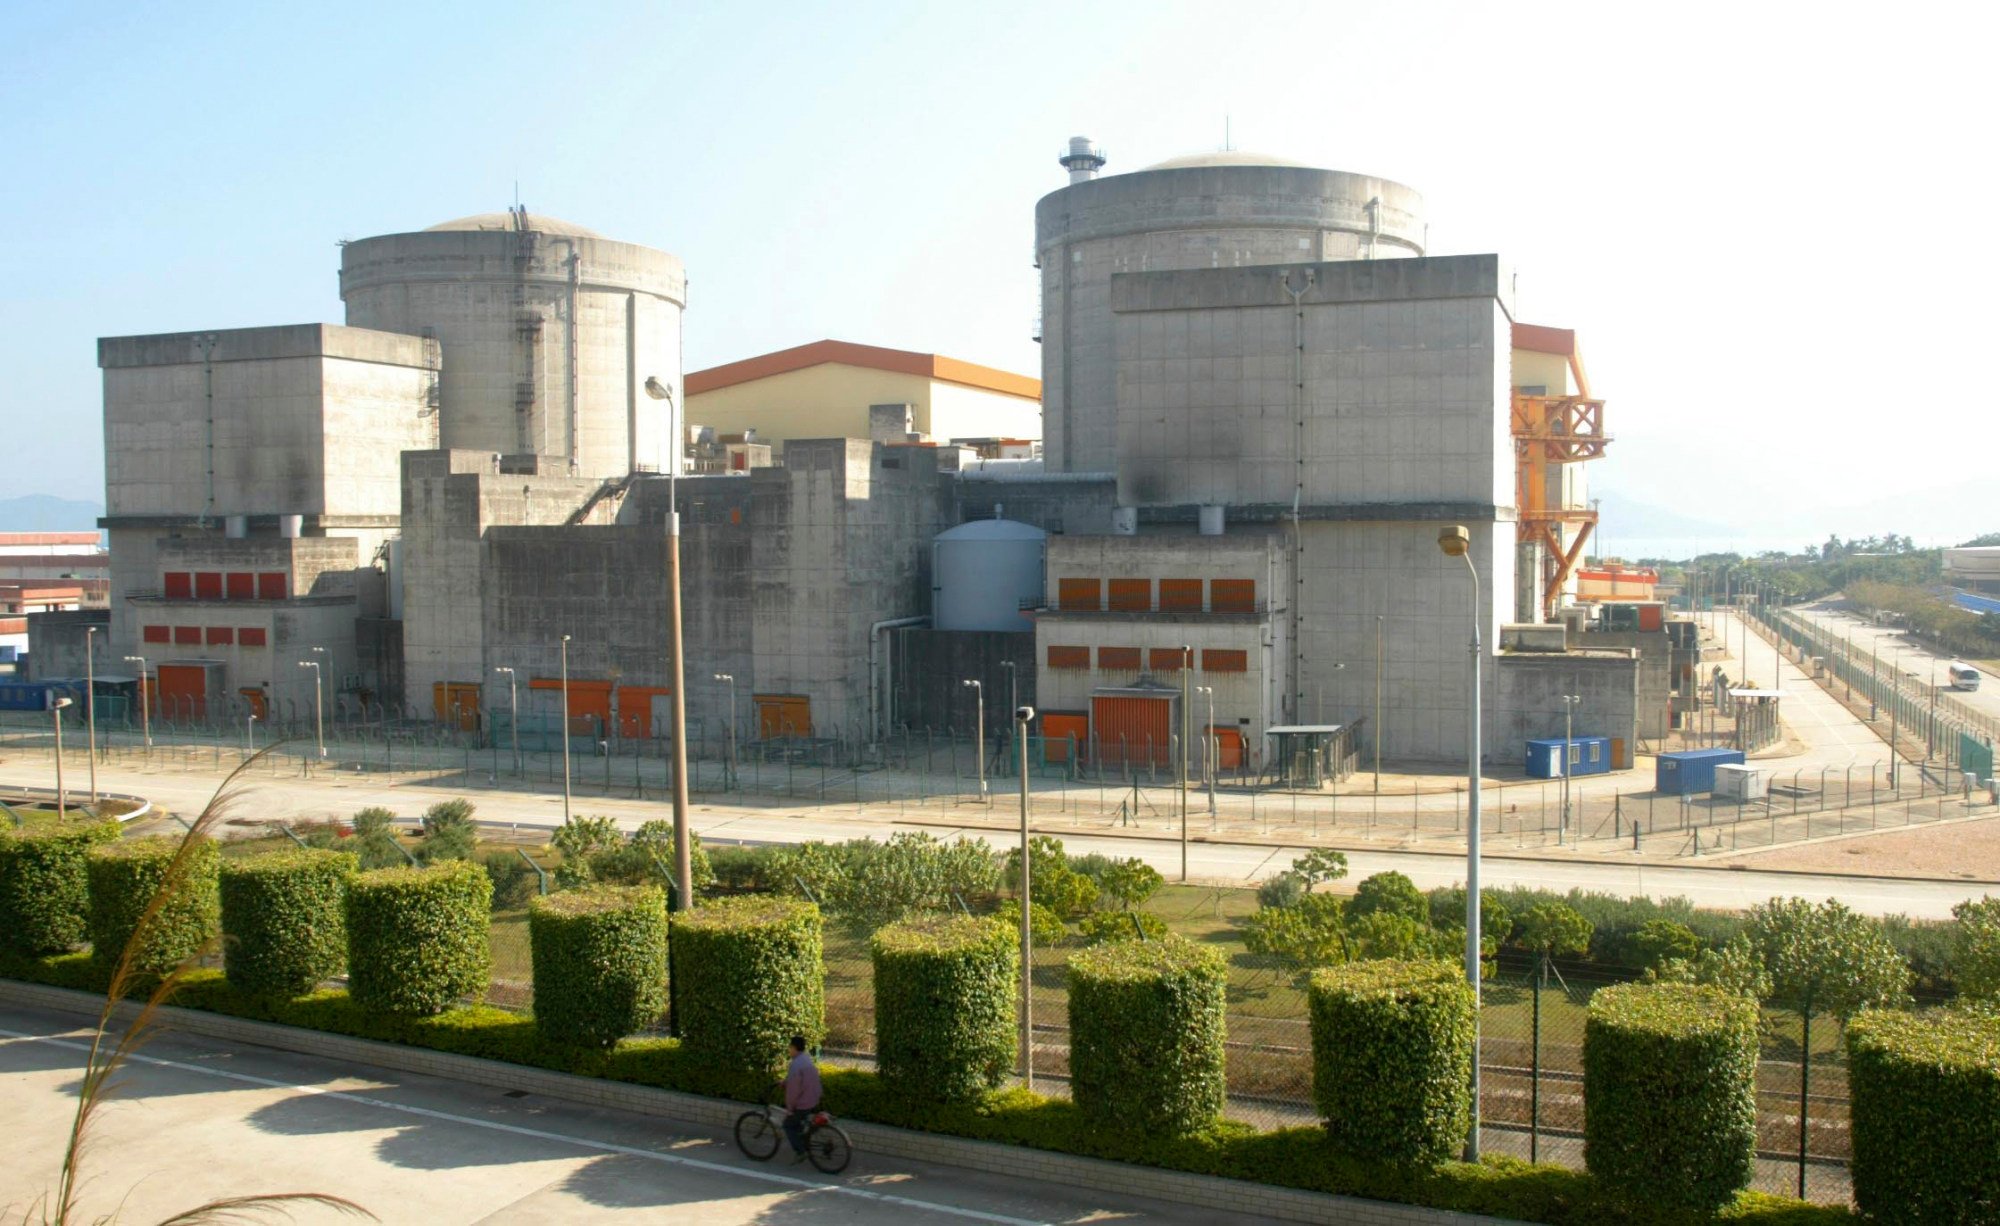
{"x":1550,"y":431}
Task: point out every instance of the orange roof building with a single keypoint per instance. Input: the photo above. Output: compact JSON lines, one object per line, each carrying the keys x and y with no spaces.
{"x":837,"y":389}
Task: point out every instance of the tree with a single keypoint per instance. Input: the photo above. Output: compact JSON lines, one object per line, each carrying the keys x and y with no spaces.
{"x":1387,"y":934}
{"x":1976,"y":948}
{"x":1320,"y":866}
{"x":1283,"y":890}
{"x":1131,"y":882}
{"x":1660,"y":941}
{"x":1496,"y":923}
{"x":1053,"y":882}
{"x":1390,"y":894}
{"x":1310,"y":933}
{"x":375,"y":844}
{"x":579,"y":839}
{"x":449,"y":832}
{"x":1734,"y":967}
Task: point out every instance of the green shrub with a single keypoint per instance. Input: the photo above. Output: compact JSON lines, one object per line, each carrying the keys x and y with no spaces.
{"x":416,"y":938}
{"x":1391,"y":894}
{"x":514,"y":883}
{"x":600,"y":959}
{"x":748,"y":975}
{"x":125,"y":875}
{"x":1146,"y":1024}
{"x":1924,"y":1092}
{"x":1045,"y":927}
{"x":1101,"y":926}
{"x":944,"y":1006}
{"x":449,"y":832}
{"x":1392,"y":1058}
{"x":743,"y":868}
{"x":376,"y":843}
{"x":1660,"y":941}
{"x":1281,"y":891}
{"x":1670,"y":1094}
{"x":286,"y":916}
{"x":44,"y":886}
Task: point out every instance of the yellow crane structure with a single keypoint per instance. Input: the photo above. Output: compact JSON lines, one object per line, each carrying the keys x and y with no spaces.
{"x":1552,"y":430}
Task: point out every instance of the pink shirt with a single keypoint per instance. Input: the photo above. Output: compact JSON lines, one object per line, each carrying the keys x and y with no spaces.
{"x":801,"y":1084}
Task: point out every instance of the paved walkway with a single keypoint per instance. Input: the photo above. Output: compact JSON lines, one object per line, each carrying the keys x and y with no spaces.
{"x":201,"y":1119}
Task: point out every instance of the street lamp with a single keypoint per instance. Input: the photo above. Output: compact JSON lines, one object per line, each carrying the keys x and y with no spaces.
{"x":676,"y":666}
{"x":1187,"y":721}
{"x":513,"y":714}
{"x":90,"y":703}
{"x":1569,"y":717}
{"x":250,"y":734}
{"x":1023,"y":716}
{"x":979,"y":699}
{"x":319,"y":725}
{"x":565,"y":726}
{"x":1456,"y":542}
{"x":56,"y":710}
{"x":1208,"y":749}
{"x":145,"y":707}
{"x":731,"y":679}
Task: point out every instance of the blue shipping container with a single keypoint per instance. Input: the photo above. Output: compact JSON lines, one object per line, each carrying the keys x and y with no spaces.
{"x":1590,"y":755}
{"x":1691,"y":771}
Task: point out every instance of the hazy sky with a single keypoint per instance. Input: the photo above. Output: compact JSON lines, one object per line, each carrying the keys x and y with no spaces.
{"x":1770,"y":223}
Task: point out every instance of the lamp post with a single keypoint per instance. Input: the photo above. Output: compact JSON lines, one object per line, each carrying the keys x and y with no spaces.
{"x":319,"y":726}
{"x":730,"y":678}
{"x":1895,"y":713}
{"x":56,"y":710}
{"x":1022,"y":717}
{"x":90,"y":703}
{"x":145,"y":707}
{"x":565,"y":726}
{"x":979,"y":715}
{"x":513,"y":714}
{"x":1377,"y":737}
{"x":1013,"y":689}
{"x":1187,"y":666}
{"x":1456,"y":542}
{"x":250,"y":734}
{"x":676,"y":663}
{"x":1569,"y":717}
{"x":1208,"y":749}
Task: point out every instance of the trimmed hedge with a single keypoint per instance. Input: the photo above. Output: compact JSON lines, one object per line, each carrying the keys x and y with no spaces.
{"x":600,"y":959}
{"x":1392,"y":1058}
{"x":1924,"y":1097}
{"x":748,"y":975}
{"x":1146,"y":1026}
{"x":44,"y":885}
{"x":945,"y":1025}
{"x":1670,"y":1094}
{"x":416,"y":938}
{"x":1288,"y":1157}
{"x":285,"y":914}
{"x":125,"y":875}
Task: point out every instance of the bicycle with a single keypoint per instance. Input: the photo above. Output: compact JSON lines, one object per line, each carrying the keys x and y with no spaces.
{"x":759,"y":1131}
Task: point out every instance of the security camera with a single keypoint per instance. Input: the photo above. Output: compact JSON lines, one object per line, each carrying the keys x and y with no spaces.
{"x":1023,"y":714}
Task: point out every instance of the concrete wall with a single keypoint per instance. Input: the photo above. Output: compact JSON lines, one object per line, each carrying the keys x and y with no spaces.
{"x":548,"y":336}
{"x":1216,"y":216}
{"x":1656,"y":671}
{"x":57,"y":643}
{"x":930,"y":667}
{"x":1528,"y":703}
{"x":1057,"y":503}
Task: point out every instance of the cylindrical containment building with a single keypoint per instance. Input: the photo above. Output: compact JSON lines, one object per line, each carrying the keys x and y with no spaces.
{"x":984,"y":572}
{"x":549,"y":333}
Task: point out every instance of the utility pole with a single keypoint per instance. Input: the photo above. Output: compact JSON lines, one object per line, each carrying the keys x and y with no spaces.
{"x":1569,"y":751}
{"x":1187,"y":666}
{"x":1377,"y":738}
{"x":90,"y":704}
{"x":1022,"y":717}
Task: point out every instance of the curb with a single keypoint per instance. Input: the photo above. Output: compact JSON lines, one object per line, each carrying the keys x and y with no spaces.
{"x":1048,"y":1166}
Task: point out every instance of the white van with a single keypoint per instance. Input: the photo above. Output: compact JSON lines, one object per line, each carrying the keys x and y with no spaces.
{"x":1963,"y":675}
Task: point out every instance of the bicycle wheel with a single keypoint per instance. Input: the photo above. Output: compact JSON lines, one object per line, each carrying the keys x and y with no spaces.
{"x":756,"y":1135}
{"x":828,"y":1149}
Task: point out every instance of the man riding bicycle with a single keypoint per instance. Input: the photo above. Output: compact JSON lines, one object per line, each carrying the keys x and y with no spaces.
{"x":802,"y":1092}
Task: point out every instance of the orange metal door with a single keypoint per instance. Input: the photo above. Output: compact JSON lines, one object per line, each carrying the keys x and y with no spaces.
{"x":255,"y":697}
{"x":1060,"y":730}
{"x":635,"y":710}
{"x":783,"y":715}
{"x":183,"y":691}
{"x":1228,"y":747}
{"x":456,"y":703}
{"x":1127,"y":728}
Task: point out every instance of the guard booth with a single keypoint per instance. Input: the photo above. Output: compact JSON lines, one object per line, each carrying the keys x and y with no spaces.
{"x":1311,"y":755}
{"x":1756,"y":717}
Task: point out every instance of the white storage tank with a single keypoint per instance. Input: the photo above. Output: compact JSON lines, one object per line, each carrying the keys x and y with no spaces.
{"x":983,"y":572}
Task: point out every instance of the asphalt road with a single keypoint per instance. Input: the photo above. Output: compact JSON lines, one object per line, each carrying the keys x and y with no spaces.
{"x":1725,"y":885}
{"x":200,"y":1119}
{"x":1896,"y":649}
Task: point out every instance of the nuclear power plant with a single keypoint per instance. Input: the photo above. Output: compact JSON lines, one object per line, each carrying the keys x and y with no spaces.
{"x":1261,"y":399}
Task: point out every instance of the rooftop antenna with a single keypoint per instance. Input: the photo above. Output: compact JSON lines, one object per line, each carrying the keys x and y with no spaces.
{"x":1226,"y":145}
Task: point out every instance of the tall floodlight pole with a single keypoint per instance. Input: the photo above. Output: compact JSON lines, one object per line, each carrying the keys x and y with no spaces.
{"x":979,"y":734}
{"x":676,"y":664}
{"x":1457,"y":543}
{"x":1377,"y":737}
{"x":56,"y":710}
{"x":1022,"y":717}
{"x":90,"y":703}
{"x":565,"y":726}
{"x":145,"y":707}
{"x":513,"y":714}
{"x":1187,"y":666}
{"x":1208,"y":749}
{"x":1569,"y":725}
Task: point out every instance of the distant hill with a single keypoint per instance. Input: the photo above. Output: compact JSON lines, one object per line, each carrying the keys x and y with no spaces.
{"x":47,"y":513}
{"x":1626,"y":517}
